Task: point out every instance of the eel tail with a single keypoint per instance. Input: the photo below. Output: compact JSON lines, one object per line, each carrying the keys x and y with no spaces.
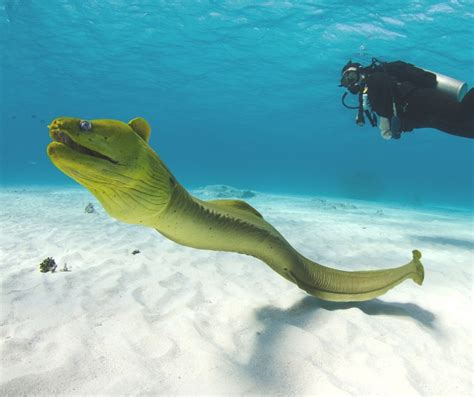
{"x":343,"y":286}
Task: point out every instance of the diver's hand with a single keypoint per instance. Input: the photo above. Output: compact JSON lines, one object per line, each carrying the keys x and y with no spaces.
{"x":395,"y":127}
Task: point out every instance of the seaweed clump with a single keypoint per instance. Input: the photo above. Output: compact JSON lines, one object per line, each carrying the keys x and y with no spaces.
{"x":135,"y":252}
{"x":48,"y":265}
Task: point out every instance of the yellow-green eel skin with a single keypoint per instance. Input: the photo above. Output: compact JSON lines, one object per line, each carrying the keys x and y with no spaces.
{"x":113,"y":160}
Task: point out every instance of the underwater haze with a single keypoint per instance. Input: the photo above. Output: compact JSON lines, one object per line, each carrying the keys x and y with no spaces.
{"x":244,"y":102}
{"x":242,"y":93}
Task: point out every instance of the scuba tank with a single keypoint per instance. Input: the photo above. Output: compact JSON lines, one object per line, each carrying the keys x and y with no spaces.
{"x":450,"y":87}
{"x":447,"y":86}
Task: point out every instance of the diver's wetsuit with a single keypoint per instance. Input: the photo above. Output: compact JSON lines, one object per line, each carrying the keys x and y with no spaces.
{"x":419,"y":104}
{"x":428,"y":108}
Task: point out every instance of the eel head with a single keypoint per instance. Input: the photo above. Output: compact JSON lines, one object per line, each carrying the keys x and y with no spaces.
{"x":113,"y":160}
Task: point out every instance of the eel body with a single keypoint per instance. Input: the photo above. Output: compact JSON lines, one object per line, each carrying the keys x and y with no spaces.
{"x":114,"y":161}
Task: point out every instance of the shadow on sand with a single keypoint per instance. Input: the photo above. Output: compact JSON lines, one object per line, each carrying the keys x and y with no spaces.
{"x":302,"y":312}
{"x":265,"y":365}
{"x":458,"y":243}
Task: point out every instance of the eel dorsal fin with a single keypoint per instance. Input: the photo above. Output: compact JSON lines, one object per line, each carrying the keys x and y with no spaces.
{"x":141,"y":127}
{"x":237,"y":204}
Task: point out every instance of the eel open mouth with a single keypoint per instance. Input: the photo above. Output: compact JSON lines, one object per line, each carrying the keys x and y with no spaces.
{"x":65,"y":139}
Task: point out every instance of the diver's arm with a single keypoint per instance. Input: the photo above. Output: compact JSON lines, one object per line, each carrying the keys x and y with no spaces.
{"x":380,"y":94}
{"x":384,"y":125}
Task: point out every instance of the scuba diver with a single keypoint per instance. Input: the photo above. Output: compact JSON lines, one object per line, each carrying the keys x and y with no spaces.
{"x":406,"y":97}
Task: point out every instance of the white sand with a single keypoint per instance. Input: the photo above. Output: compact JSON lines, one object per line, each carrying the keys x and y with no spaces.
{"x":175,"y":320}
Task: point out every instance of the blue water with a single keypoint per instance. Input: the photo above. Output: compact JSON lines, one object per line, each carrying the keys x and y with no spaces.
{"x":242,"y":93}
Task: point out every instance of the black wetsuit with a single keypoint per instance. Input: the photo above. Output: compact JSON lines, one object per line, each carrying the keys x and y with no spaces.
{"x":419,"y":104}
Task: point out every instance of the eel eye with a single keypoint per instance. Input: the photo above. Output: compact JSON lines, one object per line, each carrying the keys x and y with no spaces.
{"x":85,"y":125}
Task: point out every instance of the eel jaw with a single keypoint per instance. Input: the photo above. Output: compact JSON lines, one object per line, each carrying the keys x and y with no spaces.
{"x":62,"y":138}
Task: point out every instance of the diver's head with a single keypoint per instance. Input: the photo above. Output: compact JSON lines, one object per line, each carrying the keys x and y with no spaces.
{"x":351,"y":77}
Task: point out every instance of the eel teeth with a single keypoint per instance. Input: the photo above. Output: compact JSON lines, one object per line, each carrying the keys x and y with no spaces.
{"x":63,"y":138}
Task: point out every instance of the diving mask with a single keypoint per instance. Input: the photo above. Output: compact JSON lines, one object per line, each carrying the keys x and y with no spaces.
{"x":351,"y":80}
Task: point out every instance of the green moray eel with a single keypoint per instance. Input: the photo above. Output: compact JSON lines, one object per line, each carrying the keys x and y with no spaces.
{"x":114,"y":162}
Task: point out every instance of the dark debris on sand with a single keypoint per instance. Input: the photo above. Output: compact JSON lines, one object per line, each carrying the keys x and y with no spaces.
{"x":89,"y":208}
{"x":48,"y":265}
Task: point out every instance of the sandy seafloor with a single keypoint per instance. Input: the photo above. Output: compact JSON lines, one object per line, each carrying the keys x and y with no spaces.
{"x":175,"y":320}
